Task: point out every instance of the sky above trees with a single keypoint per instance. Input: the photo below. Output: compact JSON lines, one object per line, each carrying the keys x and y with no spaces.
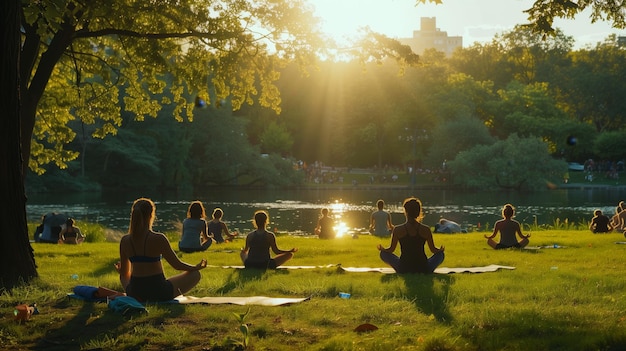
{"x":474,"y":20}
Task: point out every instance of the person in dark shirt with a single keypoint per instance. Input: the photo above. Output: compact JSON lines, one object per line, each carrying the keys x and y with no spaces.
{"x":600,"y":223}
{"x":256,"y":253}
{"x":412,"y":236}
{"x":325,"y":226}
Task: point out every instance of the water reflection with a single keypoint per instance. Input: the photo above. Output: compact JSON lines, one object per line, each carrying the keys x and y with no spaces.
{"x":296,"y":211}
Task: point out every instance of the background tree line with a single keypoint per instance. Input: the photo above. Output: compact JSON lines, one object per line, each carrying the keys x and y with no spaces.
{"x":521,"y":90}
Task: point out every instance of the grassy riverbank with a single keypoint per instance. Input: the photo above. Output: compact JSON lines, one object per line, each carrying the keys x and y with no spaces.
{"x":570,"y":298}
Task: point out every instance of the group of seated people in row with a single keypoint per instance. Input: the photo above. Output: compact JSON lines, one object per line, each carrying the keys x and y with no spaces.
{"x":601,"y":223}
{"x":198,"y":234}
{"x":142,"y":249}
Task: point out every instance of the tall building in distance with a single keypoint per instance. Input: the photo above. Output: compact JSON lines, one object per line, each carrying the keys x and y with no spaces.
{"x":430,"y":37}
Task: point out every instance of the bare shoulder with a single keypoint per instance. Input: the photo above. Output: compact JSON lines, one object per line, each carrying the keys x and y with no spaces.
{"x":159,"y":238}
{"x":400,"y":230}
{"x":424,"y":229}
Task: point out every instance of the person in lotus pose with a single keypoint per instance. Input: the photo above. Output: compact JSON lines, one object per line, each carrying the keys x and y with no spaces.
{"x":194,"y":234}
{"x":141,"y":251}
{"x":380,"y":221}
{"x":217,"y":228}
{"x":412,"y":236}
{"x":508,"y":228}
{"x":256,"y":253}
{"x":71,"y":234}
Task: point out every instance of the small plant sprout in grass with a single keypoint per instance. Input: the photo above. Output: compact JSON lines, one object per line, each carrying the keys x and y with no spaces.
{"x":243,"y":328}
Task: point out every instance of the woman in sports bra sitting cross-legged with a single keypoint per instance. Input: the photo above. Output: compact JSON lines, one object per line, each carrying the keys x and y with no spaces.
{"x":412,"y":236}
{"x":141,"y":250}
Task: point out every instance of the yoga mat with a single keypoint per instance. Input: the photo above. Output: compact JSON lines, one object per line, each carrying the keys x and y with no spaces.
{"x":282,"y":267}
{"x":235,"y":300}
{"x":544,"y":247}
{"x":441,"y":270}
{"x":244,"y":300}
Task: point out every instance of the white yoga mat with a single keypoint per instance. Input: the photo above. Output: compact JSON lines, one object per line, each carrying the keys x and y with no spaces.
{"x":440,"y":270}
{"x":544,"y":247}
{"x":282,"y":267}
{"x":241,"y":300}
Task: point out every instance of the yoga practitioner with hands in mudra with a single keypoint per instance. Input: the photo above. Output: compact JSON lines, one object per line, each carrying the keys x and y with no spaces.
{"x":508,"y":228}
{"x":141,"y":251}
{"x":412,"y":236}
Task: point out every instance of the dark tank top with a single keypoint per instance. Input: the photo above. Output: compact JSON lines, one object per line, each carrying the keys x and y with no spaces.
{"x":412,"y":258}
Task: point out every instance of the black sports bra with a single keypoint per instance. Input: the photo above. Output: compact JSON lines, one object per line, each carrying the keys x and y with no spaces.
{"x":144,"y":258}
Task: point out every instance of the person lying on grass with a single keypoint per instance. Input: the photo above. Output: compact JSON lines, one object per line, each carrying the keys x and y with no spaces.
{"x":412,"y":236}
{"x":256,"y":253}
{"x":140,"y":267}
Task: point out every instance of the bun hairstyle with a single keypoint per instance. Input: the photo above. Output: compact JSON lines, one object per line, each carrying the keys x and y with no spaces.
{"x":508,"y":211}
{"x":260,"y":219}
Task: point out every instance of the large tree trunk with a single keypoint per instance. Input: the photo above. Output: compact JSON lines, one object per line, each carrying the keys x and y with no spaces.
{"x":17,"y":261}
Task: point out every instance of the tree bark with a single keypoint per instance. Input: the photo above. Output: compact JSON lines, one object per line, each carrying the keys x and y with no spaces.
{"x":17,"y":260}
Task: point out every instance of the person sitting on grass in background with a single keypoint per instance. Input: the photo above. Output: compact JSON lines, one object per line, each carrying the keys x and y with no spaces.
{"x":325,"y":224}
{"x":380,"y":221}
{"x":600,"y":223}
{"x":256,"y":253}
{"x":71,"y":234}
{"x":412,"y":236}
{"x":194,"y":235}
{"x":141,"y":251}
{"x":618,"y":221}
{"x":508,"y":228}
{"x":217,"y":228}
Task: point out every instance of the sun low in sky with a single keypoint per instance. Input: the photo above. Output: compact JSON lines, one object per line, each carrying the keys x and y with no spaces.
{"x":474,"y":20}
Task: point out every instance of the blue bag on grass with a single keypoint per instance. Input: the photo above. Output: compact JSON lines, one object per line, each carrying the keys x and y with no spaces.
{"x":126,"y":304}
{"x":86,"y":292}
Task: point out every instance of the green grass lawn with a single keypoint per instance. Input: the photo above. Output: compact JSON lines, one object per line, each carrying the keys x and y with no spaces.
{"x":570,"y":298}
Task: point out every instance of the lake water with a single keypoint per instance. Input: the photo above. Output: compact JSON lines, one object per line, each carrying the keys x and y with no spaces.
{"x":296,"y":211}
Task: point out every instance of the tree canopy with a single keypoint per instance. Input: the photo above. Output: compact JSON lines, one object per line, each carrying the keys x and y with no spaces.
{"x":90,"y":61}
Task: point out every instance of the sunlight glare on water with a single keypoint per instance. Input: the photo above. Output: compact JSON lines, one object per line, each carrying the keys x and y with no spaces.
{"x":341,"y":229}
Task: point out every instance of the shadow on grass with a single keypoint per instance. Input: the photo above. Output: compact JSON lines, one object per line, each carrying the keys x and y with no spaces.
{"x":92,"y":323}
{"x":554,"y":330}
{"x":240,"y":277}
{"x":429,"y":293}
